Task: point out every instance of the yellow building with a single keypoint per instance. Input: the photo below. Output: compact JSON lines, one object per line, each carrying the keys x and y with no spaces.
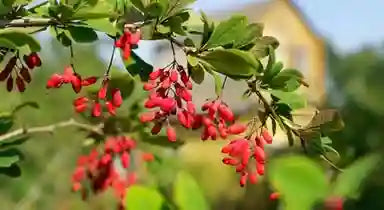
{"x":300,"y":46}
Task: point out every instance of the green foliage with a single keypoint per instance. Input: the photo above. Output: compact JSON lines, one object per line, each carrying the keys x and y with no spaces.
{"x":262,"y":46}
{"x":231,"y":62}
{"x":137,"y":66}
{"x":6,"y":122}
{"x":19,"y":39}
{"x":82,"y":34}
{"x":349,"y":182}
{"x":187,"y":193}
{"x":140,"y":197}
{"x":287,"y":80}
{"x":293,"y":100}
{"x":300,"y":181}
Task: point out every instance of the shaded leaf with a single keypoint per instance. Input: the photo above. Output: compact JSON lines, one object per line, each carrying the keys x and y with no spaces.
{"x":14,"y":141}
{"x":252,"y":31}
{"x":197,"y":73}
{"x":137,"y":66}
{"x":6,"y":122}
{"x":23,"y":105}
{"x":12,"y":171}
{"x":187,"y":193}
{"x":103,"y":25}
{"x":261,"y":47}
{"x":295,"y":175}
{"x":140,"y":197}
{"x":82,"y":34}
{"x":287,"y":80}
{"x":293,"y":100}
{"x":9,"y":157}
{"x":327,"y":120}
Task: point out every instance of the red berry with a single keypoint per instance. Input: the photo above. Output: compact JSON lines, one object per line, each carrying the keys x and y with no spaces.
{"x":96,"y":112}
{"x":55,"y":81}
{"x":252,"y":178}
{"x":20,"y":84}
{"x":88,"y":81}
{"x":125,"y":159}
{"x":9,"y":83}
{"x":76,"y":83}
{"x":259,"y":154}
{"x":110,"y":108}
{"x":243,"y":179}
{"x":117,"y":100}
{"x":212,"y":132}
{"x":237,"y":128}
{"x":225,"y":113}
{"x":149,"y":86}
{"x":147,"y":157}
{"x":174,"y":76}
{"x":155,"y":74}
{"x":260,"y":168}
{"x":156,"y":128}
{"x":147,"y":117}
{"x":267,"y":137}
{"x":102,"y":94}
{"x":274,"y":196}
{"x":171,"y":133}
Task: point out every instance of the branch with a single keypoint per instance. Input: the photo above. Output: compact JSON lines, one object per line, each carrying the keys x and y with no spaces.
{"x":43,"y":22}
{"x":51,"y":128}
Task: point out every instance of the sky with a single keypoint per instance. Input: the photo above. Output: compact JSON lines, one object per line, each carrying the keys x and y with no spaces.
{"x":348,"y":24}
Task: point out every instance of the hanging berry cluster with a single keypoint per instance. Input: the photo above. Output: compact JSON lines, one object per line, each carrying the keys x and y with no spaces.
{"x":16,"y":68}
{"x":128,"y":41}
{"x":169,"y":95}
{"x":247,"y":155}
{"x":100,"y":171}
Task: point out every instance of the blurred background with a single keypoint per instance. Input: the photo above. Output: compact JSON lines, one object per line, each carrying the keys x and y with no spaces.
{"x":338,"y":45}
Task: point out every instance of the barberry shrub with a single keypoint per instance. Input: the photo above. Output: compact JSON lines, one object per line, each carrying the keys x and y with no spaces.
{"x":159,"y":100}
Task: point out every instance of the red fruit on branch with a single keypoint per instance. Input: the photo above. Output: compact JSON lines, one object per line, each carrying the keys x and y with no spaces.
{"x":266,"y":136}
{"x":236,"y":128}
{"x":171,"y":133}
{"x":32,"y":60}
{"x":89,"y":81}
{"x":103,"y":91}
{"x":96,"y":111}
{"x":117,"y":100}
{"x":127,"y":41}
{"x":25,"y":74}
{"x":274,"y":196}
{"x":147,"y":157}
{"x":147,"y":117}
{"x":10,"y":83}
{"x":20,"y":84}
{"x":55,"y":81}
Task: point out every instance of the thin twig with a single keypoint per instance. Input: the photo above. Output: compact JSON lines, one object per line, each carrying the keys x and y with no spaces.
{"x":51,"y":128}
{"x":225,"y":81}
{"x":106,"y":74}
{"x":72,"y":57}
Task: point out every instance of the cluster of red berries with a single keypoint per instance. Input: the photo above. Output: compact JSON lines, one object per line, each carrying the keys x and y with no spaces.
{"x":128,"y":41}
{"x":169,"y":95}
{"x":99,"y":169}
{"x":81,"y":104}
{"x":248,"y":156}
{"x":219,"y":120}
{"x":21,"y":71}
{"x":69,"y":76}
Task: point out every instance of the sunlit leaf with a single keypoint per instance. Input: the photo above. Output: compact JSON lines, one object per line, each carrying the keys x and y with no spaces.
{"x":20,"y":39}
{"x":140,"y":197}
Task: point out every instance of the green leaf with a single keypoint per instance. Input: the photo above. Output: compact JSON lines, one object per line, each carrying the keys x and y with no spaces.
{"x":327,"y":120}
{"x":261,"y":47}
{"x":187,"y":193}
{"x":138,"y":4}
{"x":9,"y":157}
{"x":348,"y":183}
{"x":227,"y":32}
{"x":122,"y":81}
{"x":140,"y":198}
{"x":20,"y":39}
{"x":7,"y":44}
{"x":21,"y":106}
{"x":154,"y":10}
{"x":270,"y":73}
{"x":6,"y":122}
{"x":252,"y":31}
{"x":197,"y":73}
{"x":103,"y":25}
{"x":293,"y":100}
{"x":14,"y":141}
{"x":175,"y":23}
{"x":175,"y":6}
{"x":64,"y":39}
{"x":8,"y":3}
{"x":137,"y":66}
{"x":12,"y":171}
{"x":287,"y":80}
{"x":82,"y":34}
{"x":232,"y":62}
{"x":208,"y":28}
{"x":218,"y":83}
{"x":295,"y":176}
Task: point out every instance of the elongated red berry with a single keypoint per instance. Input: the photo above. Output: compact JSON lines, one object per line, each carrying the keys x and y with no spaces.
{"x":252,"y":178}
{"x":147,"y":117}
{"x":149,"y":86}
{"x":259,"y":154}
{"x":155,"y":74}
{"x":102,"y":94}
{"x":76,"y":83}
{"x":186,"y":95}
{"x":237,"y":128}
{"x":88,"y":81}
{"x":167,"y":104}
{"x":117,"y":100}
{"x":125,"y":159}
{"x":274,"y":196}
{"x":182,"y":119}
{"x":243,"y":179}
{"x":96,"y":112}
{"x":80,"y":100}
{"x":260,"y":168}
{"x":174,"y":76}
{"x":156,"y":128}
{"x":230,"y":161}
{"x":10,"y":83}
{"x":127,"y":51}
{"x":267,"y":137}
{"x":55,"y":81}
{"x":110,"y":108}
{"x":148,"y":157}
{"x":68,"y":74}
{"x":212,"y":132}
{"x":25,"y":74}
{"x":171,"y":133}
{"x":20,"y":84}
{"x":81,"y":107}
{"x":226,"y":113}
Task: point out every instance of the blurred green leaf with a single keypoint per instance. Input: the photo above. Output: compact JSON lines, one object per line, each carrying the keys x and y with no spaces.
{"x":21,"y":106}
{"x":252,"y":31}
{"x":327,"y":120}
{"x":140,"y":198}
{"x":175,"y":23}
{"x":14,"y":141}
{"x":197,"y":73}
{"x":154,"y":9}
{"x":348,"y":183}
{"x":208,"y":28}
{"x":6,"y":122}
{"x":299,"y":180}
{"x":123,"y":81}
{"x":138,"y":4}
{"x":20,"y":39}
{"x":187,"y":193}
{"x":231,"y":62}
{"x":7,"y":44}
{"x":9,"y":157}
{"x":82,"y":34}
{"x":103,"y":25}
{"x":262,"y":45}
{"x":293,"y":100}
{"x":8,"y":3}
